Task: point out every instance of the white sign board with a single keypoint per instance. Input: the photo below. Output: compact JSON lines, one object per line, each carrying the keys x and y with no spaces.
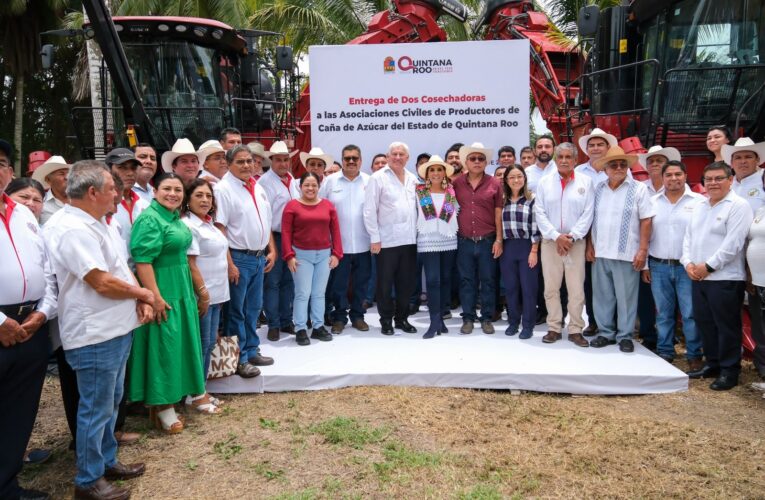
{"x":428,"y":95}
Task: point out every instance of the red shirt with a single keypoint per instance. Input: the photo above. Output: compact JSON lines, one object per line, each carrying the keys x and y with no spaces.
{"x":310,"y":227}
{"x":477,"y":206}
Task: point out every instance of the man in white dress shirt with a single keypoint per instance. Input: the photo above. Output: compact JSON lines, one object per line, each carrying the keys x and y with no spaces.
{"x":123,"y":164}
{"x":713,"y":257}
{"x":390,"y":216}
{"x":212,"y":157}
{"x":244,"y":215}
{"x":279,"y":293}
{"x":670,"y":284}
{"x":564,"y":207}
{"x":347,"y":191}
{"x":94,"y":282}
{"x":147,"y":156}
{"x":621,"y":231}
{"x":544,"y":148}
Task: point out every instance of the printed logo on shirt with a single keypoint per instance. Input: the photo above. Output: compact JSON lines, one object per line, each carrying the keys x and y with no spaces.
{"x":754,"y":192}
{"x":580,"y":191}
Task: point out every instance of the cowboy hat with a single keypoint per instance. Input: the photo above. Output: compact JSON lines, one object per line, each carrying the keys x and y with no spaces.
{"x":422,"y":170}
{"x":744,"y":144}
{"x":51,"y":165}
{"x":615,"y":153}
{"x":207,"y":148}
{"x":596,"y":132}
{"x":476,"y":147}
{"x":280,"y":148}
{"x":257,"y":149}
{"x":318,"y":154}
{"x":181,"y":147}
{"x":671,"y":154}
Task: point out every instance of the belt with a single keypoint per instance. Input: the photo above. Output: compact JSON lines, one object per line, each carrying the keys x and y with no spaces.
{"x":476,"y":239}
{"x":254,"y":253}
{"x":670,"y":262}
{"x":19,"y":310}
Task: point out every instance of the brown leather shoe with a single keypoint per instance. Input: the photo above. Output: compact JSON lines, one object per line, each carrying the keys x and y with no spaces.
{"x":591,"y":330}
{"x":260,"y":360}
{"x":360,"y":325}
{"x":273,"y":334}
{"x":577,"y":339}
{"x":126,"y":438}
{"x":122,"y":471}
{"x":338,"y":327}
{"x":551,"y":337}
{"x":695,"y":365}
{"x":101,"y":490}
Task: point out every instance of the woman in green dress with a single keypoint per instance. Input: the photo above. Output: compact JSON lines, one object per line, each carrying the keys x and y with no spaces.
{"x":165,"y":364}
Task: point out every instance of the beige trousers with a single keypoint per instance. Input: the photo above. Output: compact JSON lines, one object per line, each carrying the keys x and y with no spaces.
{"x":554,"y":269}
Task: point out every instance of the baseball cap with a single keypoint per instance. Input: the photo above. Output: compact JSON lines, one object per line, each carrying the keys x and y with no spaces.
{"x":119,"y":156}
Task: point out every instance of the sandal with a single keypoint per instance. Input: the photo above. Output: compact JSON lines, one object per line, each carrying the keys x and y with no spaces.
{"x":217,"y":402}
{"x":165,"y":420}
{"x":202,"y":404}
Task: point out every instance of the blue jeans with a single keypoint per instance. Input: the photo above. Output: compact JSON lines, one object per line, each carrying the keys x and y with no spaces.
{"x":208,"y":329}
{"x":615,"y":293}
{"x":355,"y":268}
{"x":100,"y":372}
{"x":672,"y":287}
{"x":472,"y":256}
{"x":438,"y":279}
{"x":246,"y":302}
{"x":279,"y":291}
{"x":310,"y":282}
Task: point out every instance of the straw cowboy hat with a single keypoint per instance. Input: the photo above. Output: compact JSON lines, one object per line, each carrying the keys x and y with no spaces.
{"x":207,"y":148}
{"x":51,"y":165}
{"x":596,"y":132}
{"x":476,"y":147}
{"x":422,"y":170}
{"x":671,"y":154}
{"x":181,"y":147}
{"x":279,"y":148}
{"x":615,"y":153}
{"x":316,"y":153}
{"x":257,"y":149}
{"x":744,"y":144}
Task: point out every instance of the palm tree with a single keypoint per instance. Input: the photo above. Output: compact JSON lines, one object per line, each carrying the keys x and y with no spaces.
{"x":563,"y":15}
{"x":231,"y":12}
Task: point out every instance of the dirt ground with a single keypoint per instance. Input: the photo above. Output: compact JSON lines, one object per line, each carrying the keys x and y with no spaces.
{"x":399,"y":442}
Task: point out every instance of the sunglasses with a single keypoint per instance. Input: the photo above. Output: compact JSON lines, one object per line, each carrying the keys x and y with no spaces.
{"x":351,"y":159}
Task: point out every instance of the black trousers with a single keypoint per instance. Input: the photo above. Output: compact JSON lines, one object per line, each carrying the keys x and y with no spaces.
{"x":588,"y":294}
{"x":717,"y":311}
{"x":758,"y":328}
{"x":22,"y":373}
{"x":396,"y":266}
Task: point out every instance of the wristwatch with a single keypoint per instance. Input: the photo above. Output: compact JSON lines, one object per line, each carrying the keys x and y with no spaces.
{"x":710,"y":269}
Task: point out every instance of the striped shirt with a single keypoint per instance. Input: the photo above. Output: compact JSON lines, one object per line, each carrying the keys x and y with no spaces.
{"x":519,"y":221}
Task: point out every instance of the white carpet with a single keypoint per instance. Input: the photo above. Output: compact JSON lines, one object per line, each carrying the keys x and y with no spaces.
{"x":478,"y":361}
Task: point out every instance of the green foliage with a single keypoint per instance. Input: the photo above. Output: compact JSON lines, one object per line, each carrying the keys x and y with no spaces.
{"x":268,"y":424}
{"x":349,"y":432}
{"x":481,"y":492}
{"x":227,"y":448}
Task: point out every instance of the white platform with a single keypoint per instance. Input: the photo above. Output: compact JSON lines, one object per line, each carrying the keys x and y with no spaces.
{"x":476,"y":361}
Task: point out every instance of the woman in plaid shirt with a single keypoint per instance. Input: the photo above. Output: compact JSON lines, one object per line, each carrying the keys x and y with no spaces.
{"x":518,"y":261}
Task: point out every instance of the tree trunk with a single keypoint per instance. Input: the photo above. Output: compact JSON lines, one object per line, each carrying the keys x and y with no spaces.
{"x":18,"y":121}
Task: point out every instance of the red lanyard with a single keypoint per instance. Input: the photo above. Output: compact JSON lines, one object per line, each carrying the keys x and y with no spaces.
{"x":134,"y":198}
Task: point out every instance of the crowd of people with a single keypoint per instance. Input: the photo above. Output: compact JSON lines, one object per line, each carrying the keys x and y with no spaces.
{"x":128,"y":276}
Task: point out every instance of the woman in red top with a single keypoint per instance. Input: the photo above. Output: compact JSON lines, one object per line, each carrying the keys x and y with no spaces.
{"x":312,"y":247}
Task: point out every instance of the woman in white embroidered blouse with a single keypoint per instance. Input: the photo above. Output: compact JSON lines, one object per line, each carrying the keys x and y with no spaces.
{"x":437,"y":237}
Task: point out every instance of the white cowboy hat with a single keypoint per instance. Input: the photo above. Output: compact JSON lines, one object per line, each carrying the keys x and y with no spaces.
{"x":181,"y":147}
{"x":207,"y":148}
{"x":422,"y":170}
{"x":671,"y":154}
{"x":51,"y":165}
{"x":476,"y":147}
{"x":615,"y":153}
{"x":743,"y":144}
{"x":316,"y":153}
{"x":279,"y":148}
{"x":257,"y":149}
{"x":596,"y":132}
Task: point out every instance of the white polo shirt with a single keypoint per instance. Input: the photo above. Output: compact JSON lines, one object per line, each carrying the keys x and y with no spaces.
{"x":755,"y":248}
{"x":750,"y":189}
{"x":348,"y":198}
{"x":616,"y":219}
{"x":588,"y":170}
{"x":670,"y":222}
{"x":278,"y":195}
{"x":76,"y":245}
{"x":390,"y":208}
{"x":716,"y":236}
{"x":534,"y":174}
{"x":210,"y":247}
{"x":51,"y":205}
{"x":126,"y":217}
{"x":22,"y":258}
{"x":204,"y":174}
{"x":562,"y":210}
{"x":247,"y":218}
{"x":146,"y":194}
{"x":651,"y":190}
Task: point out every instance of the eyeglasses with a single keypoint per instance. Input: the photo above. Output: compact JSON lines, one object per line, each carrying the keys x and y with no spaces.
{"x":476,"y":158}
{"x":618,"y":166}
{"x":350,"y":159}
{"x":4,"y":163}
{"x":716,"y":180}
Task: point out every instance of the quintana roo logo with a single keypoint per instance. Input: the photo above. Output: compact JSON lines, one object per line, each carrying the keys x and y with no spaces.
{"x":389,"y":65}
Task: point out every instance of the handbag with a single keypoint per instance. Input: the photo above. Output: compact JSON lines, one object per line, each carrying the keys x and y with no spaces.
{"x":224,"y":358}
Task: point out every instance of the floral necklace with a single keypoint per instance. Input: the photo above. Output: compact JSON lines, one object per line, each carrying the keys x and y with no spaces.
{"x":429,"y":209}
